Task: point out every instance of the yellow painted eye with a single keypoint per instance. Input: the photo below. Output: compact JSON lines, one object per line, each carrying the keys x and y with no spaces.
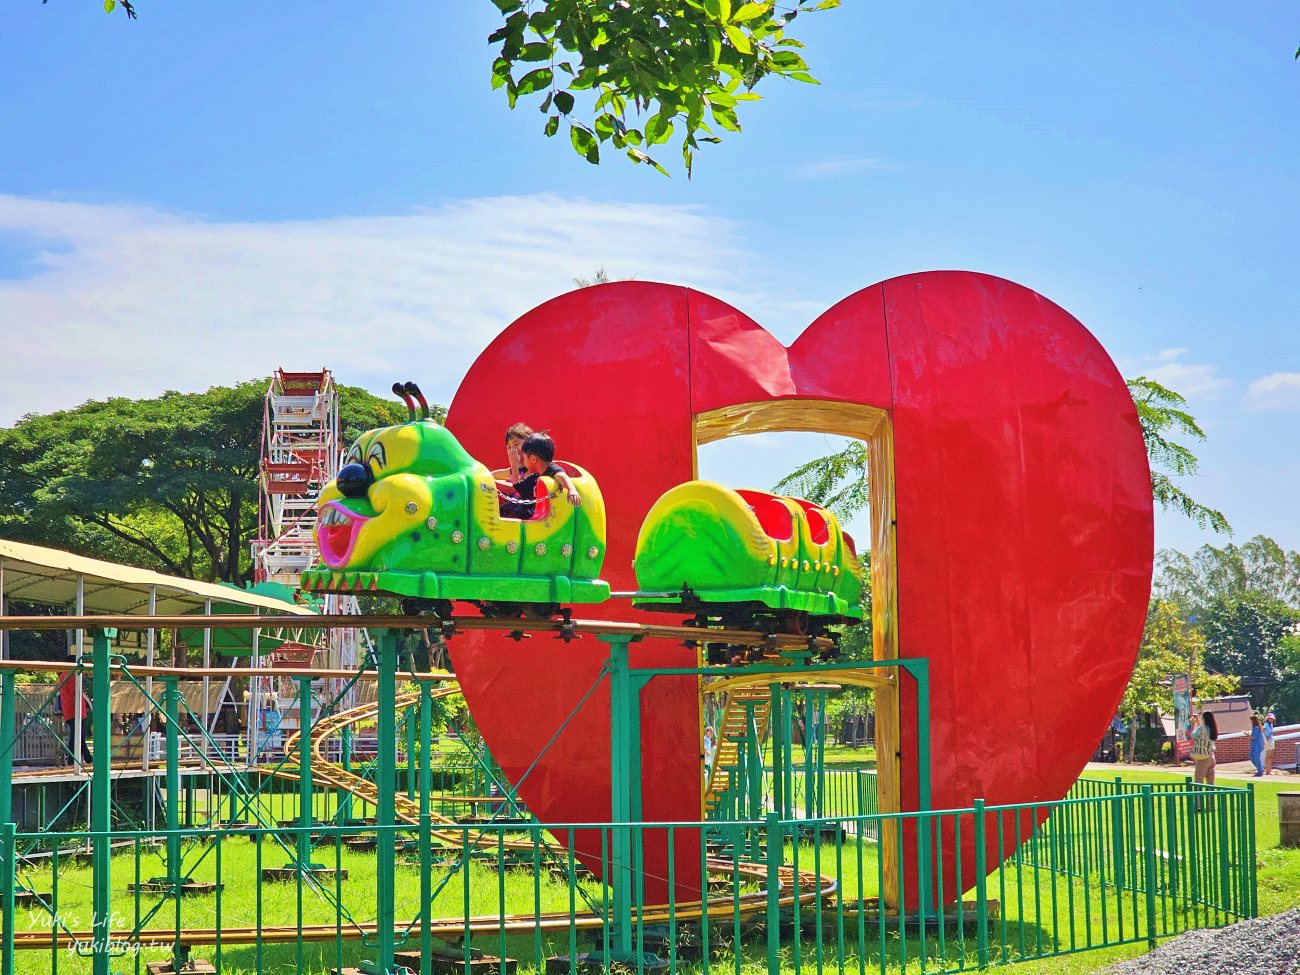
{"x":771,"y":560}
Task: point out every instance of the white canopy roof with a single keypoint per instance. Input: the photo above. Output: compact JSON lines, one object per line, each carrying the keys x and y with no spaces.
{"x":49,"y":577}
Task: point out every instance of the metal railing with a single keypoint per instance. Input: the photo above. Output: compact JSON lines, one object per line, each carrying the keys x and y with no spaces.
{"x":1115,"y":863}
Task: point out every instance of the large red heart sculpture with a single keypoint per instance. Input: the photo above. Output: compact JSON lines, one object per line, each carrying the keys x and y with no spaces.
{"x":1023,"y":525}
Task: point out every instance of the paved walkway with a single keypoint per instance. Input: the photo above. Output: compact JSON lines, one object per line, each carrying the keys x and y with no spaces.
{"x":1224,"y":770}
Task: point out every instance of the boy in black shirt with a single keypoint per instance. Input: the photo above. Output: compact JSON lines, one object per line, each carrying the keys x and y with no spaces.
{"x":538,"y":453}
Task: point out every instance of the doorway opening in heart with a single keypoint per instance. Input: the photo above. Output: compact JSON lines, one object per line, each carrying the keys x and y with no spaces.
{"x":872,"y":426}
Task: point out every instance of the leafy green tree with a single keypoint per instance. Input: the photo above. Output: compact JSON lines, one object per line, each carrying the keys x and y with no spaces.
{"x":837,"y":481}
{"x":1287,"y":700}
{"x":1245,"y":635}
{"x":169,"y":483}
{"x":1161,"y":414}
{"x":1212,"y":574}
{"x":645,"y":72}
{"x":1170,"y":645}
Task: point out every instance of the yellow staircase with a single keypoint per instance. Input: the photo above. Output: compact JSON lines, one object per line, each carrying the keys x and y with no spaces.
{"x":731,"y":732}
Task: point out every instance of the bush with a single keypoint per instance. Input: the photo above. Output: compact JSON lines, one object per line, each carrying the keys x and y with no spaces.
{"x":1149,"y":745}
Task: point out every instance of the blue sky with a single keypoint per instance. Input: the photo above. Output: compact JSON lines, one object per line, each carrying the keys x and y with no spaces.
{"x":221,"y":188}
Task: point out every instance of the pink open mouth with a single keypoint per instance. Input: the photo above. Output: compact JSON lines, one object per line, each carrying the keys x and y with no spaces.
{"x":336,"y":534}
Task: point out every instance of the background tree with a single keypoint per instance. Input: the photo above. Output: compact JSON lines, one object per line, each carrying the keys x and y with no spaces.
{"x":1170,"y":645}
{"x":169,"y":483}
{"x":1287,"y":700}
{"x":1244,"y":635}
{"x":1245,"y":598}
{"x":1213,"y":573}
{"x":1162,"y":417}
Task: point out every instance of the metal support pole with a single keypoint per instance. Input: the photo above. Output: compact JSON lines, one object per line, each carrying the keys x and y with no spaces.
{"x":811,"y":784}
{"x":7,"y":840}
{"x":820,"y":724}
{"x":412,"y":783}
{"x":100,"y":800}
{"x":305,"y":818}
{"x":254,"y":709}
{"x":775,"y":852}
{"x":776,"y":722}
{"x":79,"y":736}
{"x":981,"y":886}
{"x":919,"y":667}
{"x":345,"y":797}
{"x":171,"y":705}
{"x":8,"y":695}
{"x":426,"y":826}
{"x":386,"y":780}
{"x":207,"y":662}
{"x":150,"y":644}
{"x":625,"y":791}
{"x":1149,"y":857}
{"x":753,"y":808}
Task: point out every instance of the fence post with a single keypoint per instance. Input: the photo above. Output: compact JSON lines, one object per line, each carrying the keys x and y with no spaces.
{"x":1149,"y":855}
{"x":1117,"y":844}
{"x":7,"y":864}
{"x":385,"y":795}
{"x":8,"y":742}
{"x":101,"y":799}
{"x":1248,"y":860}
{"x":426,"y":825}
{"x":981,"y":886}
{"x":775,"y":852}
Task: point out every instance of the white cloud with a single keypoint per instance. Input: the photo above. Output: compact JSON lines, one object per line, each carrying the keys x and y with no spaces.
{"x":1168,"y":368}
{"x":132,"y":301}
{"x":1276,"y":391}
{"x":838,"y":167}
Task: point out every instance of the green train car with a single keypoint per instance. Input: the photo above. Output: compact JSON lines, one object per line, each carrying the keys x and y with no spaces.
{"x":747,"y":558}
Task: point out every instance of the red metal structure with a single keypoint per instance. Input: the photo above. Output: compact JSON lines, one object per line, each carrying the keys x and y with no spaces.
{"x":300,"y":451}
{"x":1013,"y":523}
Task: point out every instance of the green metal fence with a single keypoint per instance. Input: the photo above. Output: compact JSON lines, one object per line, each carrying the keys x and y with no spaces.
{"x":1115,"y":863}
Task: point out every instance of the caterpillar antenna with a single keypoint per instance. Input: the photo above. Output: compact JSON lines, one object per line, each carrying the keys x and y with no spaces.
{"x":400,"y":390}
{"x":414,"y":390}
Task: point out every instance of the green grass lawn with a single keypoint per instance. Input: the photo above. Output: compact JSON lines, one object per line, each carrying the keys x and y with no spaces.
{"x":834,"y":756}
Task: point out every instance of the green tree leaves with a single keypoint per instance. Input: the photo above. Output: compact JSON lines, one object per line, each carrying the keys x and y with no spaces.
{"x":1245,"y":599}
{"x":1170,"y":645}
{"x":1161,"y":414}
{"x":682,"y":66}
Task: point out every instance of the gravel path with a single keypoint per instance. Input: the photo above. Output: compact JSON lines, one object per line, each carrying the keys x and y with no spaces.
{"x":1264,"y":946}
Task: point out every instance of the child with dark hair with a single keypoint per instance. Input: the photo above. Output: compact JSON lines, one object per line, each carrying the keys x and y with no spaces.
{"x":515,"y":437}
{"x":538,"y":453}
